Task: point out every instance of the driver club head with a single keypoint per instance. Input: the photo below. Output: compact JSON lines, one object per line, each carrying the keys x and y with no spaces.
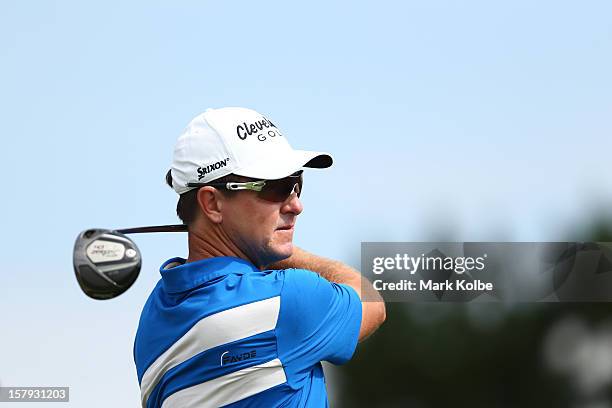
{"x":106,"y":263}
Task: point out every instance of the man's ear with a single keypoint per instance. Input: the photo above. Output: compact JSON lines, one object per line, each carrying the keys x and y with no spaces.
{"x":210,"y":201}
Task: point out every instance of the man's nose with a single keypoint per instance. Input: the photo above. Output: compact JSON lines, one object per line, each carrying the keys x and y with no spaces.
{"x":292,"y":204}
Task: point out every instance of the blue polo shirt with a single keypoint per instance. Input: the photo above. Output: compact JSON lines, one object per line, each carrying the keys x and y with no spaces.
{"x":221,"y":333}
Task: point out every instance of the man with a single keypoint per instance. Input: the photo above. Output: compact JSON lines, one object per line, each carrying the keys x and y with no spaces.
{"x":247,"y":318}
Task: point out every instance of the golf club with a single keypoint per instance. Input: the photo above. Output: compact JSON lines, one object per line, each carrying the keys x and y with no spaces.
{"x":107,"y":263}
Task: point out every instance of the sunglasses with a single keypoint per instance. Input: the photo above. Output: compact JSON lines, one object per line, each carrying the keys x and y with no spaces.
{"x":270,"y":190}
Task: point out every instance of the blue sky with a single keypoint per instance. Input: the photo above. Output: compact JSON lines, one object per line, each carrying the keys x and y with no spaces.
{"x":479,"y":120}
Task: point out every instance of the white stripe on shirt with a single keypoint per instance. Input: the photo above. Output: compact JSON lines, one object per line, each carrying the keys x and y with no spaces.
{"x":229,"y":388}
{"x":212,"y":331}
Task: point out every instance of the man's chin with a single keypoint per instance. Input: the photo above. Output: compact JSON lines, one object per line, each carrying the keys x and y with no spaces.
{"x":280,"y":253}
{"x":285,"y":251}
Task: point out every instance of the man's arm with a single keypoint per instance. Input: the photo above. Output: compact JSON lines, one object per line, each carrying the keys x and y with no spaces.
{"x":373,"y":312}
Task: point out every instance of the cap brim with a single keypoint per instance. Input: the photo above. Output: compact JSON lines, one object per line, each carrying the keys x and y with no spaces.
{"x":280,"y":167}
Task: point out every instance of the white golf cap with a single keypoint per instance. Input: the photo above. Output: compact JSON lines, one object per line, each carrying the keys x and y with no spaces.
{"x":241,"y":141}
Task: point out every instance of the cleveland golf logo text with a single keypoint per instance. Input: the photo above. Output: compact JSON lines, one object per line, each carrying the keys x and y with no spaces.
{"x":247,"y":129}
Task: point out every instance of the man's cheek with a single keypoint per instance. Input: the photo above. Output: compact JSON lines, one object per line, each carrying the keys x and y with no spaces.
{"x":259,"y":222}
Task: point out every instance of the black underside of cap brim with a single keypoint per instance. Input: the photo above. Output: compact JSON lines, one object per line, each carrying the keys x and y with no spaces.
{"x":320,"y":162}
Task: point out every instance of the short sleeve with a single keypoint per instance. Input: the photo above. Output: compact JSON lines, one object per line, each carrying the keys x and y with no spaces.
{"x":318,"y":321}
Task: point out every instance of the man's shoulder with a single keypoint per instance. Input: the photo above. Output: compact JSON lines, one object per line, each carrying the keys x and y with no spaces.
{"x":304,"y":279}
{"x":303,"y":288}
{"x":297,"y":275}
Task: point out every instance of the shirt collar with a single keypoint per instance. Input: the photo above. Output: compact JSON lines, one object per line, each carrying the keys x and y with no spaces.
{"x":180,"y":276}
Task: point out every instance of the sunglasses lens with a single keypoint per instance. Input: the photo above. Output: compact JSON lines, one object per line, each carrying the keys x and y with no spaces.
{"x":280,"y":190}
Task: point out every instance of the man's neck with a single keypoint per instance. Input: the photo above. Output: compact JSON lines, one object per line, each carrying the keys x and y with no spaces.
{"x":215,"y":244}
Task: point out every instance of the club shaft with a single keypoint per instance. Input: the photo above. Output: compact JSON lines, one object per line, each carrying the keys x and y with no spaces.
{"x":156,"y":228}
